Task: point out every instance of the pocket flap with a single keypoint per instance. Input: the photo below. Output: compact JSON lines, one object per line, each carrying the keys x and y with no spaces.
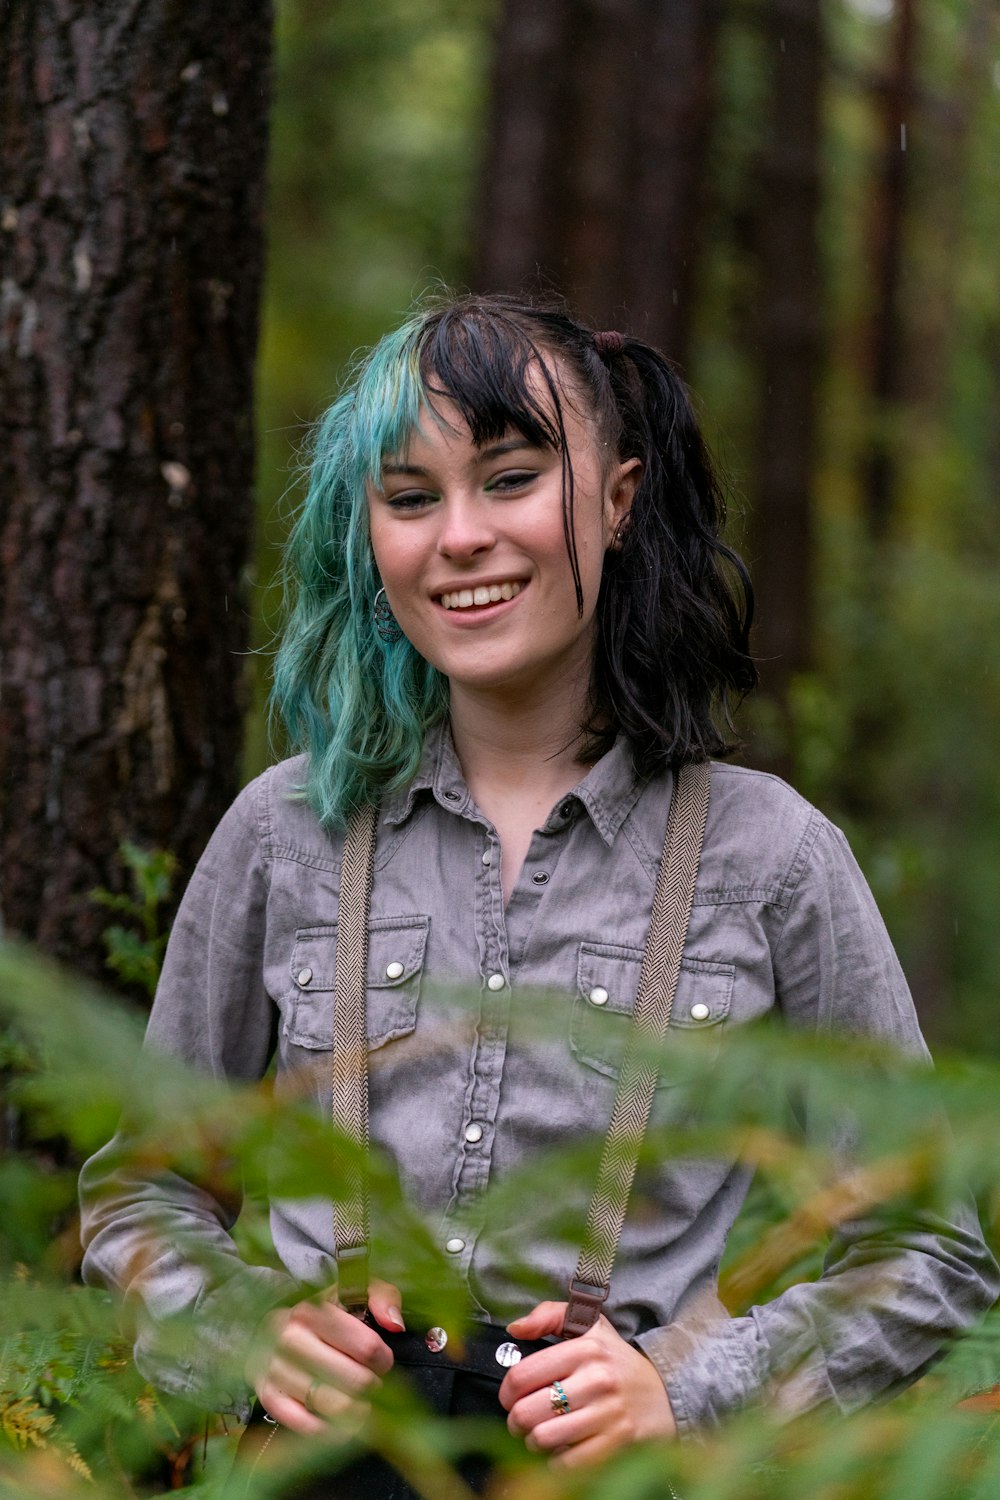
{"x":396,"y":948}
{"x":608,"y":979}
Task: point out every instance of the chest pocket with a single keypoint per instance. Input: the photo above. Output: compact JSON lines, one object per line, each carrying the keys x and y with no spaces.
{"x":395,"y":964}
{"x":607,"y":981}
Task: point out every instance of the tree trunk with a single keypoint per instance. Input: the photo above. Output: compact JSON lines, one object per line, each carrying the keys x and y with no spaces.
{"x":789,"y":332}
{"x":596,"y":158}
{"x":886,"y":238}
{"x":948,"y":152}
{"x":134,"y":140}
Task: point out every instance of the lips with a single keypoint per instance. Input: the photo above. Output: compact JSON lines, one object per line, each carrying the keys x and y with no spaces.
{"x":481,"y":594}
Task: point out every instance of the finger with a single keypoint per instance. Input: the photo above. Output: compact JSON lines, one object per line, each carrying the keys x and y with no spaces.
{"x":310,"y":1407}
{"x":592,"y":1450}
{"x":289,"y":1412}
{"x":334,"y":1326}
{"x":536,"y":1371}
{"x":335,"y":1369}
{"x":545,"y":1319}
{"x":330,"y":1402}
{"x":563,"y":1432}
{"x":530,"y":1412}
{"x":385,"y":1305}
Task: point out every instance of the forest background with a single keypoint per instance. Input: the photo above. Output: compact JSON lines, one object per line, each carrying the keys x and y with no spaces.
{"x":815,"y":190}
{"x":797,"y":200}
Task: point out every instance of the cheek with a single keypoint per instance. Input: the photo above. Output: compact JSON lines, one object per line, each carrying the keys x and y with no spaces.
{"x":391,"y":553}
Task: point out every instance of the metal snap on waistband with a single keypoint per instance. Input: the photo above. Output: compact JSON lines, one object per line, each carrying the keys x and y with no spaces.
{"x":436,"y":1339}
{"x":507,"y":1355}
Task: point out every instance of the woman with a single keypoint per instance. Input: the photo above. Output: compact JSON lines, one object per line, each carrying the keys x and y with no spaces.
{"x":513,"y":620}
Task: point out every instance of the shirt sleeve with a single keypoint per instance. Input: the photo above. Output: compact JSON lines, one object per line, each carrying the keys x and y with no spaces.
{"x":893,"y":1290}
{"x":161,"y":1241}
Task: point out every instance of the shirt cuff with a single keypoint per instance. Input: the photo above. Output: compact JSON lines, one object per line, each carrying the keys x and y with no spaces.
{"x":711,"y":1368}
{"x":201,"y":1355}
{"x":708,"y":1369}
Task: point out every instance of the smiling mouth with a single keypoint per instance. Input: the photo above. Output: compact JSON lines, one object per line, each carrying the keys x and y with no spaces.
{"x":484,"y":593}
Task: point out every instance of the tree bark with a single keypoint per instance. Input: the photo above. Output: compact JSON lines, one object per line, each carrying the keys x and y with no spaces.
{"x":132,"y":164}
{"x":592,"y":183}
{"x":947,"y":154}
{"x":789,"y":334}
{"x":886,"y":241}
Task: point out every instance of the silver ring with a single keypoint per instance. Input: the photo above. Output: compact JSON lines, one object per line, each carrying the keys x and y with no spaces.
{"x":558,"y":1399}
{"x":307,"y":1402}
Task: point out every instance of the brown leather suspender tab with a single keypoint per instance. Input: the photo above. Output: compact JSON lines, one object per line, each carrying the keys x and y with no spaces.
{"x":352,"y":1277}
{"x":584,"y":1307}
{"x":654,"y":1001}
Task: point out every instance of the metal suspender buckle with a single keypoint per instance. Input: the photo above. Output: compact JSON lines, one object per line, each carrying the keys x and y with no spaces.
{"x":584,"y":1307}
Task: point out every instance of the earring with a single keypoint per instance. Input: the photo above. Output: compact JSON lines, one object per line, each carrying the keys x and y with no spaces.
{"x":385,"y":621}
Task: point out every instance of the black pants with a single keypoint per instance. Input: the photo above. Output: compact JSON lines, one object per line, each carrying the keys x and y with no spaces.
{"x":465,"y":1383}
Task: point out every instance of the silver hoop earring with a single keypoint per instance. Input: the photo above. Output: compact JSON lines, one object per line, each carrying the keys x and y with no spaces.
{"x":386,"y":624}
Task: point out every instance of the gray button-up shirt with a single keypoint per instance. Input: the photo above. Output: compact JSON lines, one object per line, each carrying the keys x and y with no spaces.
{"x":495,"y":1035}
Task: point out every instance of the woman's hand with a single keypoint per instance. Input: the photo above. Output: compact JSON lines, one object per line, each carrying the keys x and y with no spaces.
{"x":321,"y":1362}
{"x":615,"y":1395}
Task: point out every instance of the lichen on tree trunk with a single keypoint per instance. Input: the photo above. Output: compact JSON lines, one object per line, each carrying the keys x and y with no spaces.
{"x":131,"y":190}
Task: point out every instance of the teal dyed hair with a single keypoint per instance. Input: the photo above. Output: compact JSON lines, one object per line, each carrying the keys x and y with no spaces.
{"x":359,"y":706}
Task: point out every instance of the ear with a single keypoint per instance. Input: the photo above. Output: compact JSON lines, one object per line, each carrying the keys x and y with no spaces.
{"x":622,"y":483}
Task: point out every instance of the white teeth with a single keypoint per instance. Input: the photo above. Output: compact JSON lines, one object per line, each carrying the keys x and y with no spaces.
{"x":485,"y":594}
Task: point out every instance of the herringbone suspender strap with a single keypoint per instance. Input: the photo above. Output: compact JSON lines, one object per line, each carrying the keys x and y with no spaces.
{"x":661,"y":966}
{"x":349,"y":1092}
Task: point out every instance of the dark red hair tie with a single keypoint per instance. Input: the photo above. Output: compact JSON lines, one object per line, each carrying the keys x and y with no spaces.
{"x":609,"y":342}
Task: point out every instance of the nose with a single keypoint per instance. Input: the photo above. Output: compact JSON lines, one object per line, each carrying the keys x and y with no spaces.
{"x":466,"y":528}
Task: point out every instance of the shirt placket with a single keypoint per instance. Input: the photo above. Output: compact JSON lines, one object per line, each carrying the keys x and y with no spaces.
{"x":502,"y":938}
{"x":462,"y":1221}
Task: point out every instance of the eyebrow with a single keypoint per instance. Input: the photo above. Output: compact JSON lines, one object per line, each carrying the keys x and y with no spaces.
{"x":483,"y":455}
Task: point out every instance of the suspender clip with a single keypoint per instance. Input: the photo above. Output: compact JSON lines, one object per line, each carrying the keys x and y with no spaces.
{"x":586,"y":1300}
{"x":352,"y":1278}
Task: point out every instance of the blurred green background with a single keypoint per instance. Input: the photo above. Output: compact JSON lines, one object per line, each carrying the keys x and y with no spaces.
{"x":886,"y":712}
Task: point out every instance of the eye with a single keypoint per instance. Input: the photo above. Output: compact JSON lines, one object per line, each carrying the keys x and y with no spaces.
{"x":511,"y":480}
{"x":410,"y":500}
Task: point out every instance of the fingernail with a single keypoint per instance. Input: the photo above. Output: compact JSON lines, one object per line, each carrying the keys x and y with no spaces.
{"x":395,"y":1317}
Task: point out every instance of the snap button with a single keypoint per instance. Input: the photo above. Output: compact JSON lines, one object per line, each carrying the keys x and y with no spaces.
{"x":303,"y":977}
{"x":507,"y":1355}
{"x":495,"y":982}
{"x":452,"y":796}
{"x":598,"y":995}
{"x":455,"y":1246}
{"x":700,"y":1012}
{"x":540,"y":878}
{"x":436,"y":1339}
{"x":565,"y":808}
{"x":394,"y":970}
{"x":473,"y":1133}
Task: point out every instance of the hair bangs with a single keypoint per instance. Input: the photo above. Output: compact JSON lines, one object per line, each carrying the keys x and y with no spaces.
{"x":494,"y":374}
{"x":387,"y":401}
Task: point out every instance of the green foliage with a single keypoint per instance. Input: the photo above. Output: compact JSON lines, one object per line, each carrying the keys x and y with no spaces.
{"x":135,"y":953}
{"x":72,"y":1404}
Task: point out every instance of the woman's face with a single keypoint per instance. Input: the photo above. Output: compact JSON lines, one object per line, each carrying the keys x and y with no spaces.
{"x":470,"y":547}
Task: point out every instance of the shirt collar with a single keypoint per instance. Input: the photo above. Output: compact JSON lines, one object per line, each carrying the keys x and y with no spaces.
{"x":439,"y":773}
{"x":607,"y":792}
